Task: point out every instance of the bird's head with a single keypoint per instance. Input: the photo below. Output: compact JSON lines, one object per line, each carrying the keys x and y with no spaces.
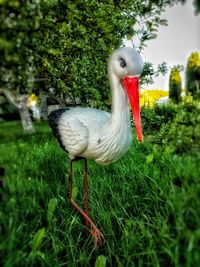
{"x":126,"y":63}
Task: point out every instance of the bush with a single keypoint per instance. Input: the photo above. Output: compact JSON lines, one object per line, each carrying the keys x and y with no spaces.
{"x":175,"y":85}
{"x":183,"y":133}
{"x":153,"y":118}
{"x":193,"y":75}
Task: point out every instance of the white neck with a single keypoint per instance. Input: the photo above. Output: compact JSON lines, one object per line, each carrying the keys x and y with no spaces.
{"x":120,"y":106}
{"x":116,"y":132}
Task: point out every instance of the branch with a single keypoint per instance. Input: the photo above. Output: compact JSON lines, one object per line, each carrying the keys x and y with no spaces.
{"x":10,"y":98}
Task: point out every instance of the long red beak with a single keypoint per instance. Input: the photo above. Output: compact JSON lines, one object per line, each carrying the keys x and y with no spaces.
{"x":131,"y":84}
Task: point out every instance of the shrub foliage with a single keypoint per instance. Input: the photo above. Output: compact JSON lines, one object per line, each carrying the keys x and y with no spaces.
{"x":175,"y":85}
{"x":193,"y":75}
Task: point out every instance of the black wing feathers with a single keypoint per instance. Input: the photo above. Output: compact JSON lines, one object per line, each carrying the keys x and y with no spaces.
{"x":54,"y":118}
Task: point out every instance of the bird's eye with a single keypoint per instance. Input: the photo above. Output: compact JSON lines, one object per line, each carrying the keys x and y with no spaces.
{"x":122,"y":62}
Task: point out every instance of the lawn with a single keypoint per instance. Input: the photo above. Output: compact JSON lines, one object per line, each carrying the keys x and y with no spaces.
{"x":147,"y":204}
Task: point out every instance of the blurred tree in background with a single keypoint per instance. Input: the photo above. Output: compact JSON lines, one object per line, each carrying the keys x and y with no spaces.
{"x":193,"y":75}
{"x":175,"y":85}
{"x":197,"y":6}
{"x":61,"y":47}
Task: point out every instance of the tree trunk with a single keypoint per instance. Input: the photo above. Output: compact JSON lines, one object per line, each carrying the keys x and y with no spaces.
{"x":43,"y":107}
{"x":20,"y":102}
{"x":25,"y":115}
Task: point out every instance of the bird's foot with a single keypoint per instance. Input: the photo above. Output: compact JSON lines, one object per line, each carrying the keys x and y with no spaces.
{"x":98,"y":237}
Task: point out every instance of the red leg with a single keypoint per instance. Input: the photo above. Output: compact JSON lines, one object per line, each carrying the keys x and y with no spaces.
{"x":86,"y":193}
{"x":98,"y":237}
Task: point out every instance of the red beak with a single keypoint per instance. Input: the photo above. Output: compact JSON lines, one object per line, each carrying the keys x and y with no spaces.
{"x":132,"y":89}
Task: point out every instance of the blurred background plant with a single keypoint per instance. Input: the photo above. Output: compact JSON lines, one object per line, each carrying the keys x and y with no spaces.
{"x":175,"y":85}
{"x":48,"y":47}
{"x":193,"y":75}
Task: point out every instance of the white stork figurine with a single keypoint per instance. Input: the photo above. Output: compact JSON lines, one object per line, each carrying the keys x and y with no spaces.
{"x":99,"y":135}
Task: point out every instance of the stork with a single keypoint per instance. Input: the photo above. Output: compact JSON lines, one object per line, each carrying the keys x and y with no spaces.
{"x":88,"y":133}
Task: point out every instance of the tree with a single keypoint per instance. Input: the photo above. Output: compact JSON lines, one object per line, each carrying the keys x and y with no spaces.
{"x":197,"y":6}
{"x":74,"y":63}
{"x":20,"y":102}
{"x":17,"y":66}
{"x":61,"y":47}
{"x":175,"y":84}
{"x":192,"y":75}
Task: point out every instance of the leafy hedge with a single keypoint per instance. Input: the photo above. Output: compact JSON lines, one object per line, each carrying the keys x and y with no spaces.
{"x":176,"y":126}
{"x":153,"y":118}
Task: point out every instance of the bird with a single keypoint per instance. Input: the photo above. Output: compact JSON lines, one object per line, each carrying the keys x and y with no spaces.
{"x":89,"y":133}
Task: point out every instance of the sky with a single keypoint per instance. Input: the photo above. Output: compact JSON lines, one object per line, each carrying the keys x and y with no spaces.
{"x":175,"y":42}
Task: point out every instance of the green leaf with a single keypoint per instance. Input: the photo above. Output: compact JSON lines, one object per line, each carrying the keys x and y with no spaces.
{"x":54,"y":52}
{"x":4,"y":44}
{"x":51,"y":208}
{"x":37,"y":22}
{"x":37,"y":239}
{"x":100,"y":261}
{"x":36,"y":254}
{"x":74,"y":192}
{"x":2,"y":2}
{"x":149,"y":158}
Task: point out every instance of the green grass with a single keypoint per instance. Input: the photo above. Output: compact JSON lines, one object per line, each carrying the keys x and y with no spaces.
{"x":147,"y":205}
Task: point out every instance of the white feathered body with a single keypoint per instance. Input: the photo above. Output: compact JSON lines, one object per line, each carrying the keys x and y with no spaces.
{"x":91,"y":133}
